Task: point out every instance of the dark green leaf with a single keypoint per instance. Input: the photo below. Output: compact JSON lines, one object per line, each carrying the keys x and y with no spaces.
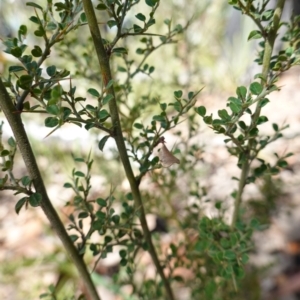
{"x":73,"y":237}
{"x":163,"y":106}
{"x":262,"y":119}
{"x":140,"y":17}
{"x":103,"y":142}
{"x":178,"y":94}
{"x":120,"y":50}
{"x":35,"y":199}
{"x":16,"y":52}
{"x":137,"y":28}
{"x":256,"y":88}
{"x":12,"y":69}
{"x":234,"y":108}
{"x":263,"y":102}
{"x":282,"y":163}
{"x":51,"y":122}
{"x":20,"y":204}
{"x":52,"y":109}
{"x":68,"y":185}
{"x":201,"y":110}
{"x":138,"y":125}
{"x":11,"y":142}
{"x":25,"y":180}
{"x":254,"y":34}
{"x":275,"y":127}
{"x":4,"y":153}
{"x":101,"y":6}
{"x":253,"y":131}
{"x":79,"y":174}
{"x":37,"y":51}
{"x":103,"y":114}
{"x":111,"y":23}
{"x":151,"y":3}
{"x":83,"y":18}
{"x":51,"y":71}
{"x":83,"y":215}
{"x":241,"y":92}
{"x":101,"y":202}
{"x":93,"y":92}
{"x":223,"y":114}
{"x":34,"y":5}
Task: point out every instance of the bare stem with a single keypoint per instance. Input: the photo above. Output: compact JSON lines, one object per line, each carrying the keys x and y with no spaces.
{"x":103,"y":58}
{"x":269,"y":45}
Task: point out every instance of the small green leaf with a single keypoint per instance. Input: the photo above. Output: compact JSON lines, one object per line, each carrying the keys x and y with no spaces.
{"x":263,"y":102}
{"x":103,"y":114}
{"x":101,"y":202}
{"x":241,"y":92}
{"x":83,"y":215}
{"x":254,"y":34}
{"x":51,"y":26}
{"x":83,"y":18}
{"x":12,"y":69}
{"x":35,"y":199}
{"x":234,"y":108}
{"x":262,"y":119}
{"x":110,"y":84}
{"x":25,"y":81}
{"x":151,"y":3}
{"x":25,"y":180}
{"x":51,"y":71}
{"x":20,"y":204}
{"x":93,"y":92}
{"x":52,"y":109}
{"x":73,"y":237}
{"x":4,"y":153}
{"x":107,"y":98}
{"x":120,"y":50}
{"x":115,"y":219}
{"x":138,"y":125}
{"x":163,"y":106}
{"x":79,"y":174}
{"x":282,"y":163}
{"x":11,"y":142}
{"x":101,"y":6}
{"x":103,"y":142}
{"x":201,"y":110}
{"x":140,"y":17}
{"x":275,"y":127}
{"x":253,"y":131}
{"x":67,"y":185}
{"x":37,"y":51}
{"x":223,"y":114}
{"x":137,"y":28}
{"x":34,"y":5}
{"x":178,"y":94}
{"x":256,"y":88}
{"x":51,"y":122}
{"x":111,"y":23}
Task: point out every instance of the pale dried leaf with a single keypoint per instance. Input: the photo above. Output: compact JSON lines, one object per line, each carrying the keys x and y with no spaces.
{"x":167,"y":158}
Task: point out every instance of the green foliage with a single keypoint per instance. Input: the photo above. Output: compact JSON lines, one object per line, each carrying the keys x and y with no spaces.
{"x":215,"y":252}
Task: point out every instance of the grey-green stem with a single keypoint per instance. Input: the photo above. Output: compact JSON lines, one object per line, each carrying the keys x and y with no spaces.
{"x":16,"y":124}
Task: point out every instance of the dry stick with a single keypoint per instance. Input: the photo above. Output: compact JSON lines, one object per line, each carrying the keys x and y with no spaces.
{"x":15,"y":122}
{"x":103,"y":59}
{"x":269,"y":45}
